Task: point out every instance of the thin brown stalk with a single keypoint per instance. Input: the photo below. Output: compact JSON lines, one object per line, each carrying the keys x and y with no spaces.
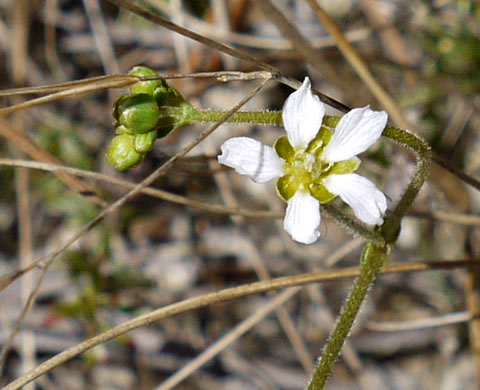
{"x":161,"y":194}
{"x":44,"y":263}
{"x":211,"y":30}
{"x":105,"y":82}
{"x":475,"y":183}
{"x":423,"y":323}
{"x":26,"y":144}
{"x":299,"y":42}
{"x":225,"y":295}
{"x":359,"y":65}
{"x":277,"y":74}
{"x":101,"y":36}
{"x":232,"y":336}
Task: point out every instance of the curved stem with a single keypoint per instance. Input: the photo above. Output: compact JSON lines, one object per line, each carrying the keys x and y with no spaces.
{"x":376,"y":253}
{"x":375,"y":256}
{"x":423,"y":154}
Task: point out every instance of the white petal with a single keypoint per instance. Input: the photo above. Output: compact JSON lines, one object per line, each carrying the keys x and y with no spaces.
{"x":252,"y":158}
{"x":355,"y":133}
{"x":366,"y":200}
{"x":302,"y":115}
{"x":302,"y":218}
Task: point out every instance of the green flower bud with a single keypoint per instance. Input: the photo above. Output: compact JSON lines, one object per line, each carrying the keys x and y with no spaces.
{"x":144,"y":142}
{"x":147,"y":87}
{"x":153,"y":105}
{"x":138,"y":113}
{"x":120,"y":129}
{"x":122,"y":154}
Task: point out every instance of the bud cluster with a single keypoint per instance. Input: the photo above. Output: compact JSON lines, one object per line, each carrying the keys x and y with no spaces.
{"x":152,"y":110}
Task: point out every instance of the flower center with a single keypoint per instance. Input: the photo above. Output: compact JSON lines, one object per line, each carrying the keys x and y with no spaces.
{"x":306,"y":168}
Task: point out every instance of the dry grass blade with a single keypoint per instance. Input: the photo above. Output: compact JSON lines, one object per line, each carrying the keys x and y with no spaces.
{"x":359,"y":65}
{"x":244,"y":39}
{"x":424,"y":323}
{"x":24,"y":143}
{"x":161,"y":194}
{"x":82,"y":88}
{"x":99,"y":83}
{"x":276,"y":73}
{"x":228,"y":339}
{"x":225,"y":295}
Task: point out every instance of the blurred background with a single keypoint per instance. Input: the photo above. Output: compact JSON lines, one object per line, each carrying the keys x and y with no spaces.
{"x":416,"y":329}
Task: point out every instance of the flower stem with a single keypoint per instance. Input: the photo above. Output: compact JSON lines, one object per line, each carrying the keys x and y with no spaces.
{"x":273,"y":118}
{"x":375,"y":256}
{"x":373,"y":259}
{"x":423,"y":154}
{"x":377,"y":250}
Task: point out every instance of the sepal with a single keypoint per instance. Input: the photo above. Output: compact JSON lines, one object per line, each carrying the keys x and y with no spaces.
{"x":144,"y":142}
{"x":284,"y":149}
{"x":320,"y":193}
{"x":287,"y":186}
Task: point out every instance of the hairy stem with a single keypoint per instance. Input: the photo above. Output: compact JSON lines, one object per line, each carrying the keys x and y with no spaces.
{"x":273,"y":118}
{"x":423,"y":154}
{"x":374,"y":256}
{"x":373,"y":259}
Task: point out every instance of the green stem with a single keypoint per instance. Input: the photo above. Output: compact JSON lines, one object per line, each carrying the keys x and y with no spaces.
{"x":273,"y":118}
{"x":374,"y":256}
{"x":376,"y":253}
{"x":373,"y":259}
{"x":423,"y":154}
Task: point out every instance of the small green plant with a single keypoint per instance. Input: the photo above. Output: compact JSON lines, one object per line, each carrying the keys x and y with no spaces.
{"x":312,"y":165}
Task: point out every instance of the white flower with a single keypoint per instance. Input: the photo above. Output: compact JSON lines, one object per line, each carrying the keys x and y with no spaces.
{"x":313,"y":165}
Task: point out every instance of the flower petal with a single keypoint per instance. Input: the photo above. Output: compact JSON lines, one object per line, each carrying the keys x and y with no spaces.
{"x":252,"y":158}
{"x":302,"y":218}
{"x":355,"y":133}
{"x":366,"y":200}
{"x":302,"y":115}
